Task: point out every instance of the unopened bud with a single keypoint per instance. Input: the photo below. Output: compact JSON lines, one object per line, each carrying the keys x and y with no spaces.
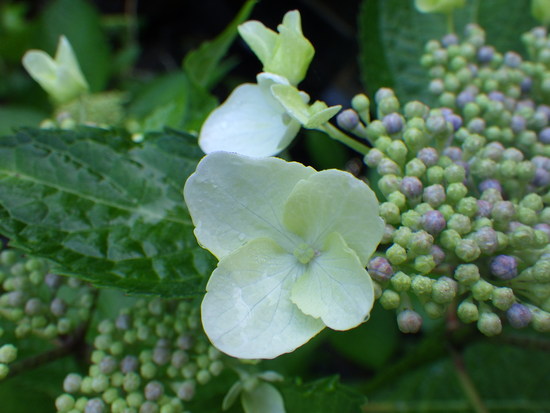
{"x":519,"y":315}
{"x":409,"y":321}
{"x":489,"y":324}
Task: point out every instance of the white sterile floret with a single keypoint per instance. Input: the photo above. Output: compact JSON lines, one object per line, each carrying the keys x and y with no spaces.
{"x":251,"y":121}
{"x":292,"y":245}
{"x":61,"y":77}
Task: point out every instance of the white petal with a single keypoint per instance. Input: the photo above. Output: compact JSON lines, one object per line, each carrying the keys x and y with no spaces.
{"x":247,"y":312}
{"x":264,"y":398}
{"x":335,"y":201}
{"x":233,"y":199}
{"x":248,"y":122}
{"x":335,"y":287}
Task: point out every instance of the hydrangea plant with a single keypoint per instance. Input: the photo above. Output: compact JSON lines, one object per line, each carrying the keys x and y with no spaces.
{"x":292,"y":245}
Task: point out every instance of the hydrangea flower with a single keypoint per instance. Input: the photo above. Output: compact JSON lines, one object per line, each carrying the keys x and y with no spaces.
{"x":261,"y":119}
{"x":61,"y":77}
{"x":292,"y":244}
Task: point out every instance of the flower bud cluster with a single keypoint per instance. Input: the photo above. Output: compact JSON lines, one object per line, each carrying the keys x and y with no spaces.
{"x":466,"y":188}
{"x":150,"y":358}
{"x":35,"y":302}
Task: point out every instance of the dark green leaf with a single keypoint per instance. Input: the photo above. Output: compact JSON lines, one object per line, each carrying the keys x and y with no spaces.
{"x":80,"y":23}
{"x":203,"y":65}
{"x":12,"y":117}
{"x":321,"y":396}
{"x":104,"y":209}
{"x":392,"y":35}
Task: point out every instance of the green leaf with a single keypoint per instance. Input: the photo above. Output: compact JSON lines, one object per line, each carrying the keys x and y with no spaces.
{"x":321,"y":396}
{"x":203,"y":65}
{"x":80,"y":23}
{"x":392,"y":35}
{"x":103,"y":209}
{"x":12,"y":116}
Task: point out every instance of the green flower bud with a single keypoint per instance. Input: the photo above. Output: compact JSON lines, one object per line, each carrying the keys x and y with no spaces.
{"x":4,"y":371}
{"x":421,"y":243}
{"x":421,"y":285}
{"x":532,"y":201}
{"x":489,"y":324}
{"x":411,"y":219}
{"x":444,"y":290}
{"x":386,"y":105}
{"x":434,"y":310}
{"x":503,"y":298}
{"x":455,"y":173}
{"x":435,"y":175}
{"x":390,"y":300}
{"x":397,"y":151}
{"x":450,"y":239}
{"x":456,"y":191}
{"x":8,"y":353}
{"x":64,"y":403}
{"x":389,"y":184}
{"x":398,"y":199}
{"x":482,"y":290}
{"x":460,"y":223}
{"x":467,"y":206}
{"x":526,"y":216}
{"x":424,"y":264}
{"x":402,"y":236}
{"x":526,"y":171}
{"x":467,"y":274}
{"x":522,"y":237}
{"x":400,"y":282}
{"x":415,"y":167}
{"x":447,"y":211}
{"x":388,"y":167}
{"x":360,"y":103}
{"x":540,"y":320}
{"x":396,"y":254}
{"x":467,"y":250}
{"x":375,"y":130}
{"x":373,"y":158}
{"x":415,"y":138}
{"x":390,"y":213}
{"x":467,"y":312}
{"x":414,"y":109}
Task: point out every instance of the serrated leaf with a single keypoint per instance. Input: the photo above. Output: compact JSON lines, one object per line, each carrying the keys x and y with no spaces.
{"x":392,"y":35}
{"x":203,"y":65}
{"x":104,"y":209}
{"x":322,"y":396}
{"x":80,"y":22}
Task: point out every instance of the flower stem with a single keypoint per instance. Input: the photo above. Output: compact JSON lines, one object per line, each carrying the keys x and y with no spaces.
{"x":466,"y":383}
{"x":340,"y":136}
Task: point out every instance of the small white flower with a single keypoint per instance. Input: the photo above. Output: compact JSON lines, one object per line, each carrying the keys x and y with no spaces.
{"x":292,"y":245}
{"x":61,"y":77}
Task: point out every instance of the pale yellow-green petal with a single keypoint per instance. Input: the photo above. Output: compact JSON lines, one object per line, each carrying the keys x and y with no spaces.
{"x":234,"y":198}
{"x":335,"y":286}
{"x":264,"y":398}
{"x":259,"y":38}
{"x":335,"y":201}
{"x":247,"y":311}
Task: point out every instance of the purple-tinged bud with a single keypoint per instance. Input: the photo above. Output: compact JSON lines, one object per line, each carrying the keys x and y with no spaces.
{"x":494,"y":151}
{"x":409,"y":321}
{"x":453,"y":152}
{"x":497,"y":96}
{"x":434,"y":195}
{"x":95,"y":405}
{"x":487,"y":240}
{"x":348,"y":119}
{"x":504,"y":267}
{"x":433,"y":222}
{"x":58,"y":307}
{"x":380,"y":269}
{"x":490,"y":184}
{"x":72,"y":382}
{"x":518,"y":123}
{"x":543,"y":227}
{"x":52,"y":280}
{"x":503,"y":211}
{"x":526,"y":85}
{"x":484,"y":208}
{"x":411,"y":187}
{"x":421,"y":242}
{"x":542,"y":178}
{"x":519,"y":315}
{"x":476,"y":125}
{"x":485,"y":54}
{"x":489,"y":324}
{"x":454,"y":120}
{"x":541,"y":162}
{"x":512,"y":59}
{"x":464,"y":97}
{"x":449,"y":40}
{"x":544,"y":135}
{"x":429,"y":156}
{"x":438,"y":254}
{"x":123,"y":322}
{"x":393,"y":123}
{"x":129,"y":364}
{"x":153,"y":390}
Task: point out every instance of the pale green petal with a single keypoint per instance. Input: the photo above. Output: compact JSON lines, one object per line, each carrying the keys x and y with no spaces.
{"x":259,"y":38}
{"x":292,"y":100}
{"x":247,"y":312}
{"x":335,"y":286}
{"x":66,"y":59}
{"x":231,"y":396}
{"x":234,"y":198}
{"x":41,"y":67}
{"x":249,"y":122}
{"x":293,"y":21}
{"x":264,"y":398}
{"x":335,"y":201}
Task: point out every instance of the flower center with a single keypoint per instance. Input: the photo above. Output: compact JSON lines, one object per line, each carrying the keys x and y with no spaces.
{"x":304,"y":253}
